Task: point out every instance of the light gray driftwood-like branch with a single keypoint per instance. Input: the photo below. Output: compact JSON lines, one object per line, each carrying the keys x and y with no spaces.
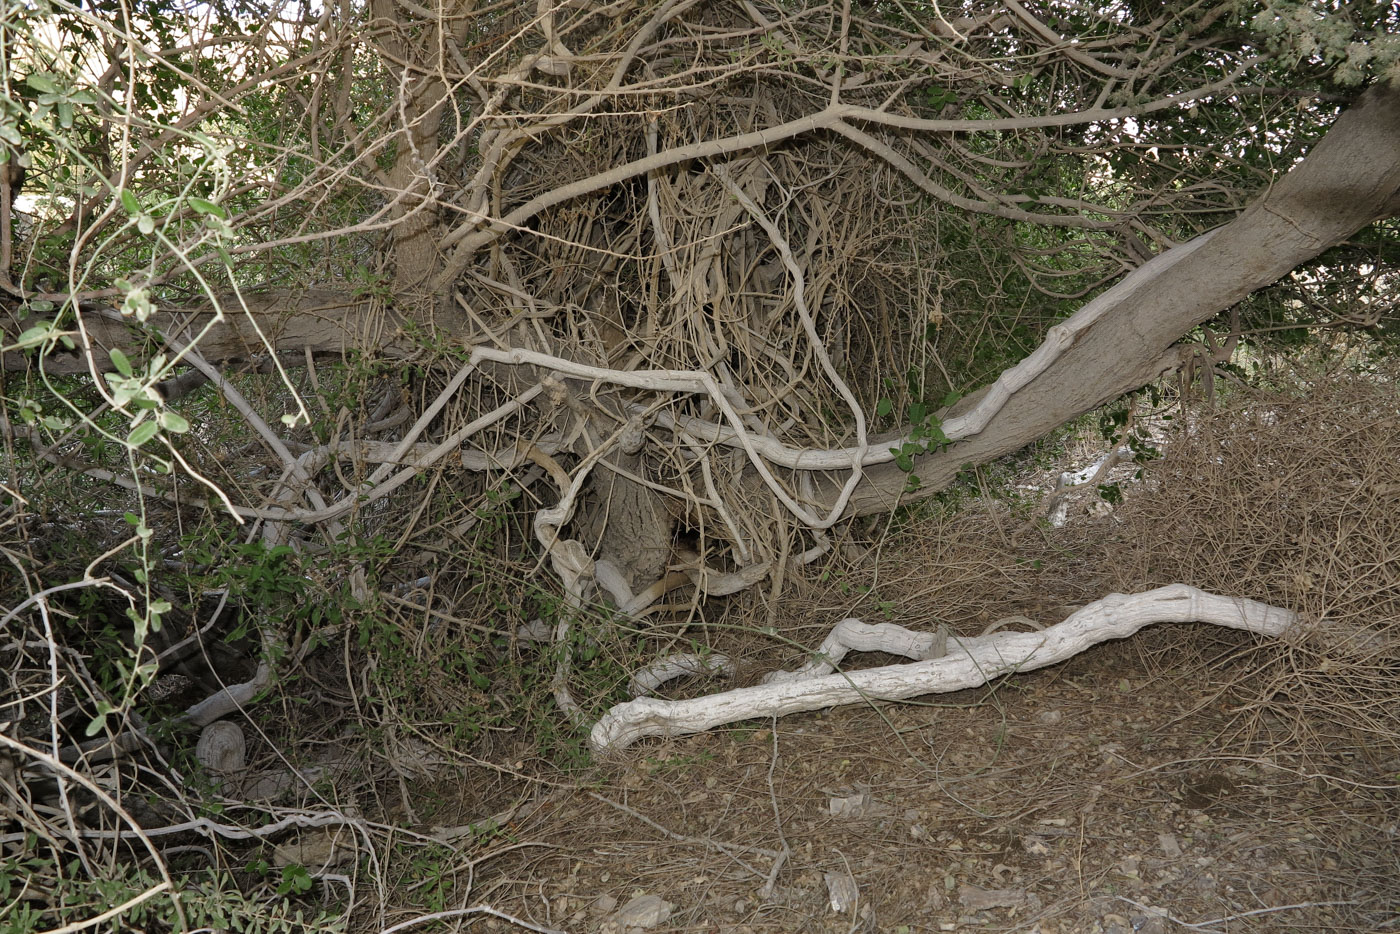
{"x":968,"y":663}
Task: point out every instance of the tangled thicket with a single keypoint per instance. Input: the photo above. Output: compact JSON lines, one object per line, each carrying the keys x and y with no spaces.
{"x":813,"y":213}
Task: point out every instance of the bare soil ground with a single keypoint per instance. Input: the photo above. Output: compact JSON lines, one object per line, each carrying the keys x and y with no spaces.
{"x":1107,"y":794}
{"x":1185,"y":779}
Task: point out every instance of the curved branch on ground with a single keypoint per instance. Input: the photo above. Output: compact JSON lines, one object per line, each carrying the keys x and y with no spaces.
{"x":968,"y":663}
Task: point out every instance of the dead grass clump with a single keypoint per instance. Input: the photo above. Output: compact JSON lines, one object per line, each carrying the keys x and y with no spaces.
{"x":1290,"y":497}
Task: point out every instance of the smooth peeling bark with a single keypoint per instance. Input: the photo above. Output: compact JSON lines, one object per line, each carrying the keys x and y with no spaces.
{"x":323,"y":321}
{"x":968,"y":663}
{"x":1350,"y":179}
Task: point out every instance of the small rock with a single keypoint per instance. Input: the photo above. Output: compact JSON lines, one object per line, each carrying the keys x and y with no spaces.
{"x":1035,"y":846}
{"x":1154,"y":923}
{"x":1116,"y":924}
{"x":1049,"y":717}
{"x":842,"y":891}
{"x":537,"y":630}
{"x":317,"y":849}
{"x":221,"y":747}
{"x":603,"y":904}
{"x":974,"y":898}
{"x":644,"y":911}
{"x":849,"y":806}
{"x":267,"y":785}
{"x":1170,"y":847}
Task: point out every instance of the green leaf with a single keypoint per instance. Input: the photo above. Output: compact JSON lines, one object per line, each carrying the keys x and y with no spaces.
{"x":142,"y":433}
{"x":174,"y":421}
{"x":34,"y":336}
{"x":42,"y":81}
{"x":133,"y":207}
{"x":884,"y":407}
{"x":145,"y":224}
{"x":120,"y":361}
{"x":207,"y":207}
{"x":104,"y":707}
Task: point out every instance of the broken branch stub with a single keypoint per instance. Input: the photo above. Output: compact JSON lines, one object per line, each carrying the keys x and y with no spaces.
{"x":969,"y":662}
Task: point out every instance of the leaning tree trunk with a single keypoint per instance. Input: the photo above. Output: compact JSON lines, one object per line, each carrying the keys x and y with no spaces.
{"x":1350,"y":179}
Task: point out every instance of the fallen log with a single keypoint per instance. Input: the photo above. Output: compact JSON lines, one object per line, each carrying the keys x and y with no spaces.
{"x":968,"y":662}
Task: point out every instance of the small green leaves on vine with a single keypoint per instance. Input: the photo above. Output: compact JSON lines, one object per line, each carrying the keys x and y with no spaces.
{"x":295,"y":880}
{"x":202,"y":206}
{"x":142,"y":433}
{"x":43,"y":331}
{"x":135,"y":388}
{"x":31,"y":412}
{"x":138,"y":300}
{"x":99,"y":720}
{"x":43,"y":82}
{"x":39,"y":335}
{"x":215,"y":217}
{"x":925,"y":434}
{"x":937,"y":97}
{"x":54,"y":96}
{"x":144,"y":222}
{"x":173,"y":422}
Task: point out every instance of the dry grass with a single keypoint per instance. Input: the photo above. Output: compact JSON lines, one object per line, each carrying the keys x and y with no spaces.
{"x":1206,"y":773}
{"x":1209,"y":774}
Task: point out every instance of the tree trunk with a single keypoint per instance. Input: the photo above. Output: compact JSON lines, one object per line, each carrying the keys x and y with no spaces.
{"x":1349,"y":180}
